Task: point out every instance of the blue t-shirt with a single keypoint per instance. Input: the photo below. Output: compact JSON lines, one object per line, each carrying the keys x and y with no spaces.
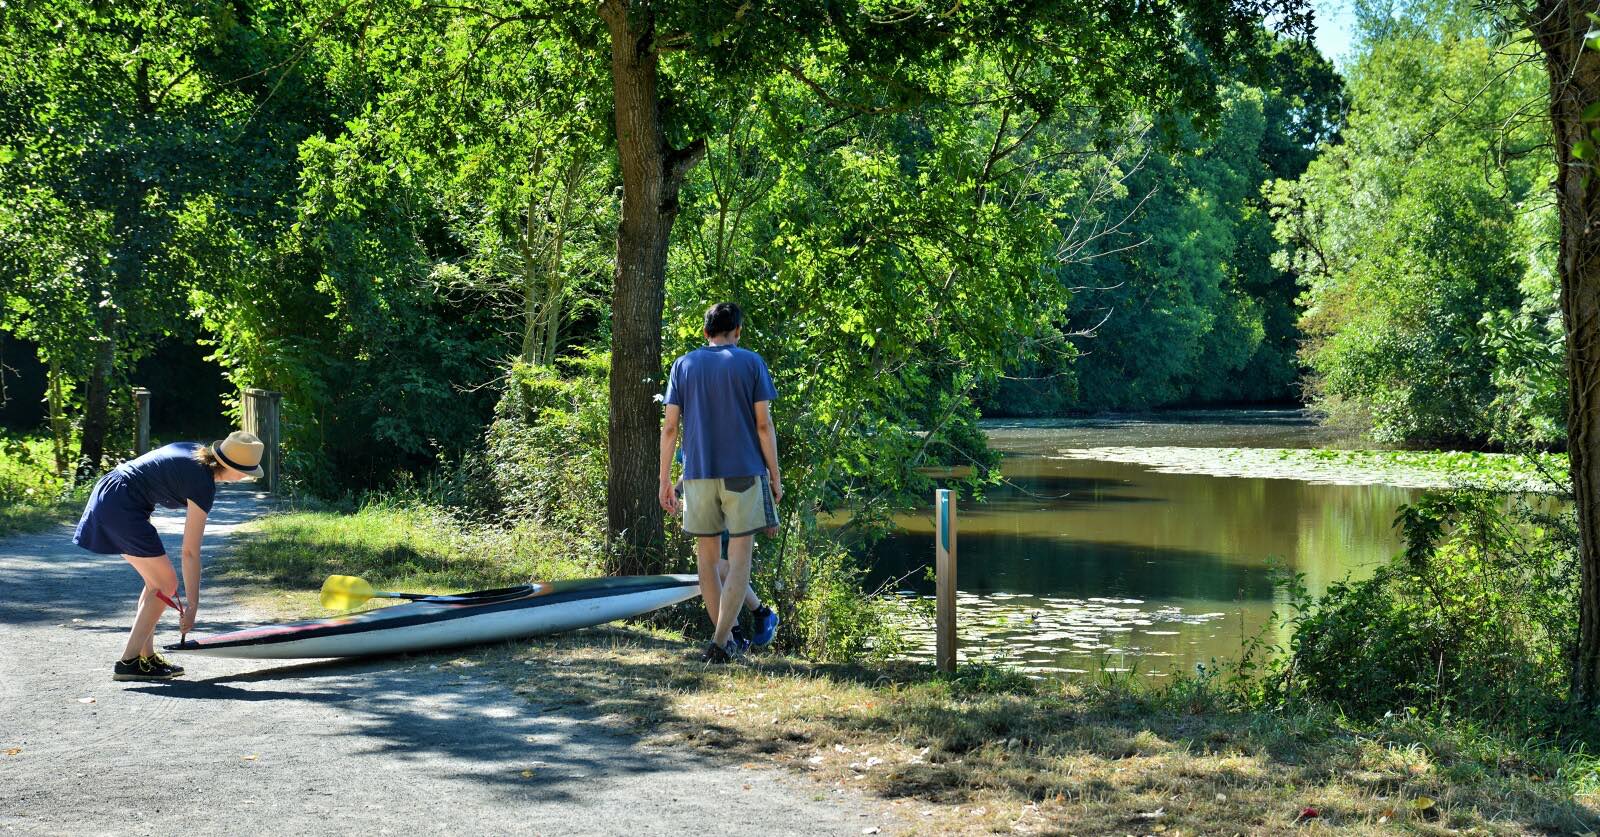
{"x":717,"y":388}
{"x":170,"y":477}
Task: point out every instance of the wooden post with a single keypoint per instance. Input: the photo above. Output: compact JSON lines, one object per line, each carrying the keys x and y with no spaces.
{"x":261,"y":418}
{"x":944,"y":624}
{"x":141,"y":435}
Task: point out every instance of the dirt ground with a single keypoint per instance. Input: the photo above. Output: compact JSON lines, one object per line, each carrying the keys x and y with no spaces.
{"x":401,"y":745}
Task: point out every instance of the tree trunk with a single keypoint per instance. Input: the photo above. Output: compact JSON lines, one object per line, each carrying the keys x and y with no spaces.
{"x":97,"y":407}
{"x":1574,"y":71}
{"x":652,"y":173}
{"x":60,"y":433}
{"x":530,"y":285}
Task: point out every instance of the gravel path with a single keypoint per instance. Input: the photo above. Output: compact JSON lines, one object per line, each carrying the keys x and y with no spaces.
{"x":379,"y":747}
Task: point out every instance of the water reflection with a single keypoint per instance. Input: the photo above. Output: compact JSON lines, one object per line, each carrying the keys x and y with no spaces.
{"x":1080,"y":565}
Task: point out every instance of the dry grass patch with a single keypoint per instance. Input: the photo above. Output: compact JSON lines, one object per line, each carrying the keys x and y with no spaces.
{"x":991,"y":752}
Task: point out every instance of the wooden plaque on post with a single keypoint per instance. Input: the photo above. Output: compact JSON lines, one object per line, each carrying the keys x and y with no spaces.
{"x":944,"y":626}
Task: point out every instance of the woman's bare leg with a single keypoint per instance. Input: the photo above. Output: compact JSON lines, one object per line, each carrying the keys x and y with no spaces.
{"x":158,"y":575}
{"x":146,"y":600}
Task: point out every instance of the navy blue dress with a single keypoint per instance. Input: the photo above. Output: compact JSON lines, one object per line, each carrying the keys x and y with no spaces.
{"x":117,"y":519}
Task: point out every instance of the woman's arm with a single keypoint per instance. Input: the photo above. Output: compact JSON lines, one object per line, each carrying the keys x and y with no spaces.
{"x":194,"y":528}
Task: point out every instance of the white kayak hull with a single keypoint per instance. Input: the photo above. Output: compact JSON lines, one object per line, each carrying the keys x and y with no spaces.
{"x":450,"y":621}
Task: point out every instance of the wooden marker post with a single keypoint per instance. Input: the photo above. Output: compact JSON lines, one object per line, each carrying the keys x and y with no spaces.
{"x":944,"y":624}
{"x":141,"y":435}
{"x":261,"y":408}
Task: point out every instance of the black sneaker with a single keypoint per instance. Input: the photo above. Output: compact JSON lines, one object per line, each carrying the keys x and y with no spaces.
{"x":714,"y":654}
{"x":739,"y":639}
{"x":727,"y":652}
{"x":140,"y":668}
{"x":162,"y":662}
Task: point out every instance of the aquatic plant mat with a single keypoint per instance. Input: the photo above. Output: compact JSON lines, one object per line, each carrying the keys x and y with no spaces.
{"x":1544,"y":473}
{"x":990,"y":751}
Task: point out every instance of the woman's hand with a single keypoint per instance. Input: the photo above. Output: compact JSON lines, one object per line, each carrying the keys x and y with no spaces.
{"x":186,"y":618}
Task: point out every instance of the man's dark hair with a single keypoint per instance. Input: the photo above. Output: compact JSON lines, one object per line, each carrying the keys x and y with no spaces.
{"x":723,"y":318}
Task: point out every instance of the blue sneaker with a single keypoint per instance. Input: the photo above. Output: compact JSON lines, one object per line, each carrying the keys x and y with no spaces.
{"x":739,"y":640}
{"x":766,"y":627}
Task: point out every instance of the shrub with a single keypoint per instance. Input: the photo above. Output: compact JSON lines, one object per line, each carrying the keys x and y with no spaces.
{"x":1477,"y":618}
{"x":545,"y":453}
{"x":815,"y":584}
{"x":27,"y":474}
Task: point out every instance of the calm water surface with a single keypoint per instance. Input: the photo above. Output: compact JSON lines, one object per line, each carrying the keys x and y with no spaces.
{"x":1081,"y":565}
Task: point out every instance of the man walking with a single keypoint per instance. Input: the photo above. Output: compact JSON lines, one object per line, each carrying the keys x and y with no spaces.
{"x":722,"y":395}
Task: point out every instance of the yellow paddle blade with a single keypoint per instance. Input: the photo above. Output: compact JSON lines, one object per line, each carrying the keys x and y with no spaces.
{"x":342,"y":592}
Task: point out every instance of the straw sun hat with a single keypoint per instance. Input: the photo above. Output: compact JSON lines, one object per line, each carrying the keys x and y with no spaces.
{"x":241,"y":451}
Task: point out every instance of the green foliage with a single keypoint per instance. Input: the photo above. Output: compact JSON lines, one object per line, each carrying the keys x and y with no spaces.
{"x":545,"y":453}
{"x":1168,"y":319}
{"x":1177,"y":299}
{"x":26,"y":475}
{"x":1475,"y":620}
{"x":33,"y":495}
{"x":1420,"y":244}
{"x":815,"y":584}
{"x":123,"y":124}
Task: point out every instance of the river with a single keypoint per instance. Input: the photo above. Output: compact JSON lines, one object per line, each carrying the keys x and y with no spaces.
{"x":1076,"y":565}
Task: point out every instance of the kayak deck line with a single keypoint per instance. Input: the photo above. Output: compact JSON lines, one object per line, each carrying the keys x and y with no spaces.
{"x":452,"y":620}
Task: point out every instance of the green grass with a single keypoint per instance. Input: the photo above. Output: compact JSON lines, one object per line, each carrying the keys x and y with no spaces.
{"x":23,"y":518}
{"x":32,"y":496}
{"x":399,"y":547}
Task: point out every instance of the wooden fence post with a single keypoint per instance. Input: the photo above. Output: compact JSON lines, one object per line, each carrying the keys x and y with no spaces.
{"x":944,"y":623}
{"x":261,"y":418}
{"x":141,"y":434}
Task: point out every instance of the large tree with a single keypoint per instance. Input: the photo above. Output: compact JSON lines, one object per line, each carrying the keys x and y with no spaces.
{"x":1119,"y":52}
{"x":1568,"y":35}
{"x":674,"y":67}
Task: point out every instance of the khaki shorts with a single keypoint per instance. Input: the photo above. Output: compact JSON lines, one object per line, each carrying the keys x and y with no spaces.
{"x":736,"y":505}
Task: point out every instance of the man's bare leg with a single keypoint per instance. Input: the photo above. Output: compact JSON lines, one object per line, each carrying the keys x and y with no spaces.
{"x":708,"y":554}
{"x":751,"y":600}
{"x":738,"y":579}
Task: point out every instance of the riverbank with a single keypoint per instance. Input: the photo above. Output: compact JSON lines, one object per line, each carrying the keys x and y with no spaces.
{"x":988,"y":750}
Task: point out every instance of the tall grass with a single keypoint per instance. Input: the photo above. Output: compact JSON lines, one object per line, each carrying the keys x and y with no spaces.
{"x":33,"y":496}
{"x":406,"y":546}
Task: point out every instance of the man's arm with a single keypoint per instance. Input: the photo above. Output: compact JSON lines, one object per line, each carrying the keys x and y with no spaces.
{"x":669,"y":446}
{"x":769,"y":447}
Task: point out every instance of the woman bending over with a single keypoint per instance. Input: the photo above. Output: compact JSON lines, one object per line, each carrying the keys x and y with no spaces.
{"x":182,"y":475}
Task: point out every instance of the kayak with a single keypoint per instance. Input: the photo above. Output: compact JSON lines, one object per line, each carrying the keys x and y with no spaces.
{"x":446,"y":621}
